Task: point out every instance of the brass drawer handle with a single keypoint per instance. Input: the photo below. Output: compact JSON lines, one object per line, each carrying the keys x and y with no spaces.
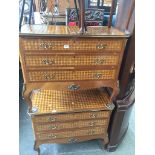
{"x":51,"y":119}
{"x":91,"y":132}
{"x":52,"y":127}
{"x":92,"y":124}
{"x":49,"y":77}
{"x":93,"y":115}
{"x":73,"y":87}
{"x":101,"y":46}
{"x":52,"y":136}
{"x":48,"y":62}
{"x":98,"y":75}
{"x":72,"y":140}
{"x":100,"y":61}
{"x":45,"y":45}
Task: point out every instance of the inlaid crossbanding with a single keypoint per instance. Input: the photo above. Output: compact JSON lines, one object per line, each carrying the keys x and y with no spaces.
{"x":65,"y":60}
{"x":73,"y":44}
{"x":71,"y":75}
{"x":75,"y":133}
{"x":70,"y":125}
{"x":71,"y":116}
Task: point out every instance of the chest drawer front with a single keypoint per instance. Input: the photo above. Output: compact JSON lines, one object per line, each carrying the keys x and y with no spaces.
{"x":88,"y":45}
{"x":71,"y":134}
{"x":70,"y":125}
{"x":66,"y":60}
{"x":71,"y":75}
{"x":66,"y":117}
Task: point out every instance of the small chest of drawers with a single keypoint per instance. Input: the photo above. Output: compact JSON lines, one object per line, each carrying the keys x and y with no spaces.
{"x":68,"y":117}
{"x":71,"y":59}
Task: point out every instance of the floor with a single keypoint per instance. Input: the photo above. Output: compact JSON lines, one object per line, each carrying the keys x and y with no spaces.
{"x":127,"y":147}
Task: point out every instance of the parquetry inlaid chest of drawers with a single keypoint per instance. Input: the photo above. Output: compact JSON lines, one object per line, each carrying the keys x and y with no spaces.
{"x":63,"y":72}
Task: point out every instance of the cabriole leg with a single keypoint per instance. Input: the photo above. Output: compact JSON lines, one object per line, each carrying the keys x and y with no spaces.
{"x":36,"y":147}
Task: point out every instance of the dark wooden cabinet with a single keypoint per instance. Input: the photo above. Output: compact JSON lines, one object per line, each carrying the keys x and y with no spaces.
{"x":126,"y":98}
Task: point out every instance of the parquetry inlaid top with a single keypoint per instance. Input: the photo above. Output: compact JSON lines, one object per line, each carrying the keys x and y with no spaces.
{"x":56,"y":30}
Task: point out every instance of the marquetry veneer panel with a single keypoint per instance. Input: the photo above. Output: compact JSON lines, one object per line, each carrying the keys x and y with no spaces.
{"x":73,"y":133}
{"x":87,"y":45}
{"x":70,"y":116}
{"x":67,"y":60}
{"x":61,"y":75}
{"x":48,"y":101}
{"x":70,"y":125}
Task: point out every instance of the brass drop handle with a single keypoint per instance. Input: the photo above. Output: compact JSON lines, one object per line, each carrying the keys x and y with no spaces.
{"x":51,"y":119}
{"x":100,"y":61}
{"x":101,"y":46}
{"x":91,"y":132}
{"x":49,"y":77}
{"x":93,"y":116}
{"x":45,"y":45}
{"x":52,"y":127}
{"x":92,"y":124}
{"x":47,"y":61}
{"x":73,"y":87}
{"x":72,"y":140}
{"x":98,"y":75}
{"x":52,"y":136}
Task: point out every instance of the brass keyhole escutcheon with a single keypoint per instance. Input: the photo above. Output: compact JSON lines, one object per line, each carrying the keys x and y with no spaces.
{"x":101,"y":46}
{"x":51,"y":119}
{"x":52,"y":136}
{"x":45,"y":45}
{"x":73,"y":87}
{"x":49,"y":77}
{"x":100,"y":61}
{"x":93,"y":116}
{"x":92,"y":124}
{"x":52,"y":127}
{"x":98,"y":75}
{"x":47,"y":61}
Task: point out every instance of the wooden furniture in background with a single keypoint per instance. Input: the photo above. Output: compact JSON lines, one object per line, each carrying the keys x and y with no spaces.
{"x":93,"y":17}
{"x":125,"y":100}
{"x":102,"y":4}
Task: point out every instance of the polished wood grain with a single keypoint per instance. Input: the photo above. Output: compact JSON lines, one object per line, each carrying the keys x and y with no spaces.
{"x":130,"y":14}
{"x":58,"y":31}
{"x":111,"y":13}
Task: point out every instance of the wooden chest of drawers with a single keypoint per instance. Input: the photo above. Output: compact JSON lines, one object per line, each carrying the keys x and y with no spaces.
{"x":69,"y":117}
{"x":62,"y":73}
{"x":57,"y":61}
